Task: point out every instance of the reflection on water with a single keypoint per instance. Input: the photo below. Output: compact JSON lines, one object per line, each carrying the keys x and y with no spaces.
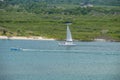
{"x":45,"y":60}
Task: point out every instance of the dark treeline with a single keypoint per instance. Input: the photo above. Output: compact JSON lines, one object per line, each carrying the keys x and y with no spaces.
{"x":47,"y":7}
{"x":100,"y":2}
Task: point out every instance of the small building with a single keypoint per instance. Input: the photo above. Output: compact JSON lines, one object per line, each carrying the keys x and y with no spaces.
{"x":83,"y":5}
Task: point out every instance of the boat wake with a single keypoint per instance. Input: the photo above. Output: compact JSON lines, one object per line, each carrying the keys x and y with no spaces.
{"x":69,"y":51}
{"x":75,"y":51}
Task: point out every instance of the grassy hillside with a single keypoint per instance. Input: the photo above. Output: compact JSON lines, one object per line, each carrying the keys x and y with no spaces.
{"x":84,"y":27}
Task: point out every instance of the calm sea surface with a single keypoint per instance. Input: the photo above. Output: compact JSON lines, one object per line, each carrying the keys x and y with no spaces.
{"x":45,"y":60}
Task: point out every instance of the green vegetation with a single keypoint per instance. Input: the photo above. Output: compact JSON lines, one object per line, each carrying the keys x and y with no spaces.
{"x":84,"y":27}
{"x":43,"y":19}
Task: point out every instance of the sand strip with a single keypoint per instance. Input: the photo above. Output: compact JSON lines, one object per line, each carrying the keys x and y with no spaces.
{"x":25,"y":38}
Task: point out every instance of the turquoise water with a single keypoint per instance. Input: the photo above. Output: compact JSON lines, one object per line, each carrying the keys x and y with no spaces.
{"x":45,"y":60}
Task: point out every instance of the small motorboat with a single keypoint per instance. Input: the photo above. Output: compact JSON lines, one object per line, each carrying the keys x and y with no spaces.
{"x":15,"y":49}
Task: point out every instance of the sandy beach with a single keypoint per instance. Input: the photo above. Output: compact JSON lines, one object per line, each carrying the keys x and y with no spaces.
{"x":25,"y":38}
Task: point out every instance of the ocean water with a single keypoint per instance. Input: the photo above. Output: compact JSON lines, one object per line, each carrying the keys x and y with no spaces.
{"x":45,"y":60}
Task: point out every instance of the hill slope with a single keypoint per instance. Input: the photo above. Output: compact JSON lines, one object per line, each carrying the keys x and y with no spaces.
{"x":47,"y":19}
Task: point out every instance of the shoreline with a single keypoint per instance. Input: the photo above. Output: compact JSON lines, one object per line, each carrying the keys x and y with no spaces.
{"x":43,"y":38}
{"x":24,"y":38}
